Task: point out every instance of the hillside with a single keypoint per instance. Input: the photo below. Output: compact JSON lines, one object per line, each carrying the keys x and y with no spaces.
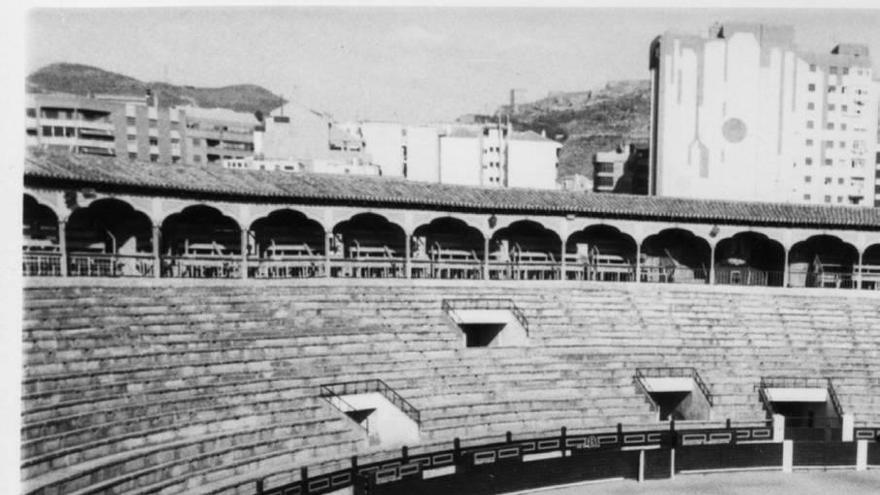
{"x":84,"y":79}
{"x":589,"y":121}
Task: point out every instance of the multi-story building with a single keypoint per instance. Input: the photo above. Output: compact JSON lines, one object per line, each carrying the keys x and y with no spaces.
{"x":105,"y":125}
{"x":488,"y":155}
{"x":575,"y":182}
{"x":623,"y":169}
{"x":744,"y":114}
{"x":217,"y":134}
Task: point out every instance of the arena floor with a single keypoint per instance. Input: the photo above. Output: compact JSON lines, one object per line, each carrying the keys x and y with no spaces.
{"x":739,"y":483}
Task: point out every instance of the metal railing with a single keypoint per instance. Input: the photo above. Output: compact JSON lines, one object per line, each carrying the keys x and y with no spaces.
{"x":639,"y":380}
{"x":41,"y":264}
{"x":449,"y":306}
{"x":338,"y":402}
{"x":110,"y":265}
{"x":607,"y":440}
{"x":799,"y":382}
{"x":369,"y":386}
{"x":676,"y":372}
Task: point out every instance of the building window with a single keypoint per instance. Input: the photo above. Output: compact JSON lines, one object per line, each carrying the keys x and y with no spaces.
{"x":154,"y":141}
{"x":175,"y":140}
{"x":830,"y":126}
{"x":832,"y":88}
{"x":828,"y":162}
{"x":811,"y":106}
{"x":832,"y":70}
{"x":843,"y":144}
{"x":196,"y":142}
{"x":808,"y":161}
{"x":828,"y":180}
{"x":69,"y":132}
{"x":31,"y":112}
{"x":132,"y":137}
{"x":843,"y":126}
{"x":831,"y":107}
{"x":812,"y":67}
{"x":809,"y":124}
{"x":844,"y":108}
{"x":806,"y":197}
{"x":131,"y":121}
{"x":829,"y":144}
{"x":808,"y":179}
{"x":132,"y":156}
{"x":827,"y":198}
{"x":840,"y":199}
{"x":197,"y":158}
{"x":811,"y":87}
{"x":840,"y":181}
{"x":845,"y":71}
{"x":154,"y":157}
{"x":809,"y":142}
{"x":47,"y":131}
{"x":153,"y":123}
{"x":175,"y":159}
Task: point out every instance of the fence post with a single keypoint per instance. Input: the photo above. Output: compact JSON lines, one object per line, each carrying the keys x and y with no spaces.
{"x":456,"y":451}
{"x":304,"y":479}
{"x":259,"y":487}
{"x":404,"y":453}
{"x":563,"y":433}
{"x":508,"y":437}
{"x":62,"y":245}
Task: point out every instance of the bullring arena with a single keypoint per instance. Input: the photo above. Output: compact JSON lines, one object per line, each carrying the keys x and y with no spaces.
{"x":196,"y":330}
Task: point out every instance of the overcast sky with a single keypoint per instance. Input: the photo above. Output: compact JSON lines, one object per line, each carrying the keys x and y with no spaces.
{"x":405,"y":64}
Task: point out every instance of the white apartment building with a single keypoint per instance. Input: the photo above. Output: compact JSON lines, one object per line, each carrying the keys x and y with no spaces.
{"x":743,"y":114}
{"x":465,"y":154}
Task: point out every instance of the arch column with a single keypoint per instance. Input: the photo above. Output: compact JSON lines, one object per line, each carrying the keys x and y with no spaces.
{"x":328,"y":235}
{"x":62,"y":245}
{"x":486,"y":239}
{"x":859,"y":273}
{"x":786,"y":272}
{"x":407,"y":253}
{"x":711,"y":273}
{"x":243,"y":253}
{"x":157,"y":262}
{"x":638,"y":274}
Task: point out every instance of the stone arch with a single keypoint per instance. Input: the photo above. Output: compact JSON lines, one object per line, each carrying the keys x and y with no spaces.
{"x":286,"y":230}
{"x":870,"y":268}
{"x":39,"y":225}
{"x":109,"y":226}
{"x":601,"y":252}
{"x":675,"y":255}
{"x":822,"y":261}
{"x":200,"y":230}
{"x":749,"y":258}
{"x":445,"y":234}
{"x":366,"y":233}
{"x":526,"y":236}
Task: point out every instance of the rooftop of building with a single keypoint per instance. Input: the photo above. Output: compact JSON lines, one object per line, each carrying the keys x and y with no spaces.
{"x":219,"y":114}
{"x":53,"y":169}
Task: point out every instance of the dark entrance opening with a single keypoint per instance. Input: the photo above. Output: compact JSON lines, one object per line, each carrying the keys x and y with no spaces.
{"x":670,"y":404}
{"x":481,"y":334}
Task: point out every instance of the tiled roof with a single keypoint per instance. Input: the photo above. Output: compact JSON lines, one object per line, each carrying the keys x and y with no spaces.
{"x":107,"y":173}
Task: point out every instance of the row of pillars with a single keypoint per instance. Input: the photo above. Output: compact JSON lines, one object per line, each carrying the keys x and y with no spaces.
{"x":62,"y":224}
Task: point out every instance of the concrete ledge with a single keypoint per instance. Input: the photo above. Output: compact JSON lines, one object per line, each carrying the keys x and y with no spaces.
{"x":87,"y":282}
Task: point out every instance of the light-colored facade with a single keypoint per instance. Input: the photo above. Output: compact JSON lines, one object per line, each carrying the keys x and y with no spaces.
{"x":743,"y":114}
{"x":575,"y":182}
{"x":488,"y":155}
{"x":217,"y":134}
{"x":353,"y":166}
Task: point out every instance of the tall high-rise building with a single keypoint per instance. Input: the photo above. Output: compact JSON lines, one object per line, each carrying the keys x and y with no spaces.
{"x":744,"y":114}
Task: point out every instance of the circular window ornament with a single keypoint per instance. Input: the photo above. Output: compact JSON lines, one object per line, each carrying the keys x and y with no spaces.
{"x":734,"y":130}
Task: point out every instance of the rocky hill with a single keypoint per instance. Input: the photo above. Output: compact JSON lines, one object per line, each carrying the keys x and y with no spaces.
{"x":589,"y":121}
{"x":84,"y":79}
